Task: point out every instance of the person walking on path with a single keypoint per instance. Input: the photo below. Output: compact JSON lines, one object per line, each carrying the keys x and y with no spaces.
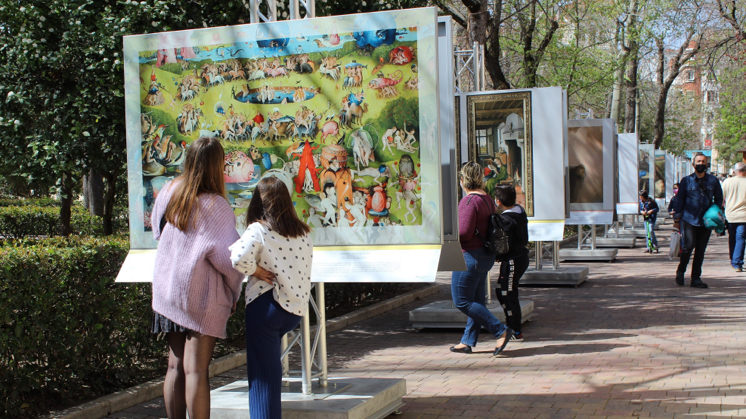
{"x":697,"y":192}
{"x":649,"y":211}
{"x":275,"y":241}
{"x":734,"y":194}
{"x":195,"y":287}
{"x":468,"y":287}
{"x":515,"y":263}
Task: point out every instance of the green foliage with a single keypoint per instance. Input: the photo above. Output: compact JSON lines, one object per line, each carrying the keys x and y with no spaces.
{"x":24,"y":202}
{"x":67,"y":330}
{"x":21,"y":221}
{"x":731,"y":126}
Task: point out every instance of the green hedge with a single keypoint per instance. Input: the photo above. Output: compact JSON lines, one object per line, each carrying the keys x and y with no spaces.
{"x":23,"y":202}
{"x":20,"y":221}
{"x":66,"y":330}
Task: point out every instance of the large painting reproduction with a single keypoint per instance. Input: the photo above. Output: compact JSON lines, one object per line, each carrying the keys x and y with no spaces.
{"x":499,"y":134}
{"x":586,"y":161}
{"x":342,"y":109}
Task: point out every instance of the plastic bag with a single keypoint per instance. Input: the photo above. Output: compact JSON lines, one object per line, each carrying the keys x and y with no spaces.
{"x":675,"y":245}
{"x":714,"y":219}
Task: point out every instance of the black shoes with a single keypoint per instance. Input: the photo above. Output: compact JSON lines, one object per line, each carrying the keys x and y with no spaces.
{"x":679,"y":279}
{"x":462,"y":350}
{"x":698,"y":284}
{"x":507,"y":334}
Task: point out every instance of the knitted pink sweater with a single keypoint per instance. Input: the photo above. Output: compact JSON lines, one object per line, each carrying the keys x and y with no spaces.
{"x":194,"y":284}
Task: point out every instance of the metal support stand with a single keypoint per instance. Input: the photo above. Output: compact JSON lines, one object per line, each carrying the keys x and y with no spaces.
{"x":313,"y":349}
{"x":588,"y":248}
{"x":470,"y":75}
{"x":553,"y":275}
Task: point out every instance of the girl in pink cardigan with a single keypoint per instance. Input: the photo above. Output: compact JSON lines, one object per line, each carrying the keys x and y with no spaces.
{"x":195,"y":288}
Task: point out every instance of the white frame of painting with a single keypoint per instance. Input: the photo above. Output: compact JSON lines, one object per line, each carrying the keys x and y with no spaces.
{"x":548,"y":105}
{"x":627,"y":148}
{"x":670,"y":175}
{"x":601,"y":212}
{"x":650,"y":150}
{"x":425,"y":19}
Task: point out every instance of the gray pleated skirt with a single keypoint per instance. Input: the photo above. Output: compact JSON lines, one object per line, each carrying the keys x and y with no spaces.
{"x":162,"y":324}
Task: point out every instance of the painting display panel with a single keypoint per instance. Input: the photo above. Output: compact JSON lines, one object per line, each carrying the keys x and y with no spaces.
{"x":645,"y":164}
{"x":586,"y":158}
{"x":499,"y":135}
{"x":342,"y":109}
{"x":660,"y":174}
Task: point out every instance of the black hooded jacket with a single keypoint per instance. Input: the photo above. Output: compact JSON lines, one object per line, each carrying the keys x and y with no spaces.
{"x":515,"y":224}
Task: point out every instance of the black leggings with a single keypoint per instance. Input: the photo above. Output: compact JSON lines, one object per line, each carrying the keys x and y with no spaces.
{"x":511,"y":271}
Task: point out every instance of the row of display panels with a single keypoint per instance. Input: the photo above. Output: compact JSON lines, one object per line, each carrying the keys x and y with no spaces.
{"x":350,"y":112}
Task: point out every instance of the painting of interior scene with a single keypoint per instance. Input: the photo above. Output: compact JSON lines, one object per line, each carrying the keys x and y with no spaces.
{"x":586,"y":152}
{"x":644,"y":165}
{"x":500,"y":140}
{"x":660,"y":175}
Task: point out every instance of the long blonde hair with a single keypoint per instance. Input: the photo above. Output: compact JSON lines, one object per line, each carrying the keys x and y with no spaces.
{"x":203,"y":173}
{"x":472,"y":176}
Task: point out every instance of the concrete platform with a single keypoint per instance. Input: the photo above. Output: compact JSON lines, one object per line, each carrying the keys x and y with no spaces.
{"x":444,"y":315}
{"x":615,"y":242}
{"x":606,"y":255}
{"x":564,"y":276}
{"x":343,"y":398}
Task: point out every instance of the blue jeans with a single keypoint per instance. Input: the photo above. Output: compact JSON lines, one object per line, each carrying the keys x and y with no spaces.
{"x":653,"y":239}
{"x":468,"y":293}
{"x":737,"y":242}
{"x":266,"y":323}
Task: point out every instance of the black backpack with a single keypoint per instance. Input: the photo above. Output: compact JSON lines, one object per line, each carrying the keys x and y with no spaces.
{"x":495,"y":240}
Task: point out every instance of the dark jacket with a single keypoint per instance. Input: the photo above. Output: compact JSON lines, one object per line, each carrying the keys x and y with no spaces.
{"x":695,"y":197}
{"x":648,"y":205}
{"x":515,"y":224}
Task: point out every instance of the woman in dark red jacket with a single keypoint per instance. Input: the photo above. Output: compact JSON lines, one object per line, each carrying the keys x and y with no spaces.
{"x":468,"y":287}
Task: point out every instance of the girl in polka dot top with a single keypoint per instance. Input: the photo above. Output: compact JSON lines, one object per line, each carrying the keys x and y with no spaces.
{"x":275,"y":252}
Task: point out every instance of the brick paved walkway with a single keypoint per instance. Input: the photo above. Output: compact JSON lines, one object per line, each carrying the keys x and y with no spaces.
{"x":629,"y":342}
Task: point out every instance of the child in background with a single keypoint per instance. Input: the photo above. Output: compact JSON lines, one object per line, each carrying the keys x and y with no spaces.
{"x":649,"y":211}
{"x":515,"y":263}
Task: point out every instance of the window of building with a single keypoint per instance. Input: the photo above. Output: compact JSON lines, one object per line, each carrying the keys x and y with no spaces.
{"x":690,"y":75}
{"x":712,"y":96}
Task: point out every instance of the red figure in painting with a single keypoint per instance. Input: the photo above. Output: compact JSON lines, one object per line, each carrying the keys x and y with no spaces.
{"x":306,"y":162}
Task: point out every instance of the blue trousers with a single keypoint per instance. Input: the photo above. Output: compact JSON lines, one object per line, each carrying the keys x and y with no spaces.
{"x":266,"y":323}
{"x":736,"y":243}
{"x":468,"y":293}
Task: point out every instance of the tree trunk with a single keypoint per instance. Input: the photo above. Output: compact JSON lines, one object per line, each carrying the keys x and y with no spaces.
{"x":616,"y":94}
{"x":66,"y":201}
{"x":631,"y":91}
{"x":109,"y":197}
{"x":660,"y":117}
{"x":93,"y":192}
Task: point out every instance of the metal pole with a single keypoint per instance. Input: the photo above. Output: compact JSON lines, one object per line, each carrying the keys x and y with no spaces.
{"x":285,"y":360}
{"x":539,"y":252}
{"x":593,"y":237}
{"x":306,"y":361}
{"x":555,"y":255}
{"x":321,"y":355}
{"x":580,"y":236}
{"x":488,"y":280}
